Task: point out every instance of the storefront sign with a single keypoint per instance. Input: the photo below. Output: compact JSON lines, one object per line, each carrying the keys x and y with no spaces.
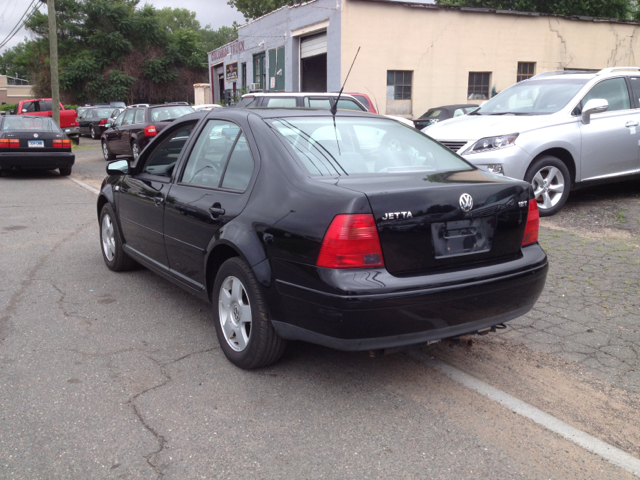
{"x":232,"y":71}
{"x":232,"y":49}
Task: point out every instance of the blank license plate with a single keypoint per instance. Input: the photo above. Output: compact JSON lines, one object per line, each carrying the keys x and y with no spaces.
{"x":461,"y":237}
{"x":36,"y":143}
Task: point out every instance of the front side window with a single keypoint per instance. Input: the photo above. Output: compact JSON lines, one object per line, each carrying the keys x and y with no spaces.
{"x":399,"y":84}
{"x":163,"y":158}
{"x":478,"y":87}
{"x":613,"y":91}
{"x":363,"y":146}
{"x":209,"y":156}
{"x":128,"y":117}
{"x":29,"y":107}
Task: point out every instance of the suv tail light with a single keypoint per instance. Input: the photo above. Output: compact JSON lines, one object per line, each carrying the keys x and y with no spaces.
{"x":61,"y":143}
{"x":150,"y":131}
{"x":9,"y":143}
{"x":533,"y":224}
{"x":351,"y":242}
{"x":103,"y":122}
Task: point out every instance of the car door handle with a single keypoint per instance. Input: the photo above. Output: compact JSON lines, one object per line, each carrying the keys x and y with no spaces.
{"x":631,"y":124}
{"x":158,"y":200}
{"x":216,"y":211}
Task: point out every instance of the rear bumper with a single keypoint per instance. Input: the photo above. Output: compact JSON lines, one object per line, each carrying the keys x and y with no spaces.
{"x":409,"y":311}
{"x":39,"y":160}
{"x":72,"y":131}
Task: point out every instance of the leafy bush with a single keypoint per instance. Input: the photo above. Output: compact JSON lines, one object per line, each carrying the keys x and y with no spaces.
{"x":7,"y":106}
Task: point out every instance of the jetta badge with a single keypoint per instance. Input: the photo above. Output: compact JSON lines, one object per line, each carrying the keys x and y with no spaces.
{"x":466,"y":202}
{"x":35,"y":135}
{"x":396,"y":215}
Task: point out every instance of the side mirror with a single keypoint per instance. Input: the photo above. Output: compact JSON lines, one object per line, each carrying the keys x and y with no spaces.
{"x":119,"y":167}
{"x":595,"y":105}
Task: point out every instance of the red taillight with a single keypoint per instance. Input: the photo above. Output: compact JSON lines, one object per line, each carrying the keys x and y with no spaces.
{"x":103,"y":122}
{"x":9,"y":143}
{"x":533,"y":224}
{"x":351,"y":242}
{"x":150,"y":131}
{"x":61,"y":143}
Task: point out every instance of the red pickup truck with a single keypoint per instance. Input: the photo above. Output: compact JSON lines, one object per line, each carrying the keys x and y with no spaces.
{"x":42,"y":107}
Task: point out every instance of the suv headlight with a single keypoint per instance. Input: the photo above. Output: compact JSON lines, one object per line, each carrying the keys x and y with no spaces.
{"x":492,"y":143}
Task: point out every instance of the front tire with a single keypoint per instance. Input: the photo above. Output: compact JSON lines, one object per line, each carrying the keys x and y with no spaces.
{"x":244,"y":330}
{"x":551,"y":182}
{"x":112,"y":252}
{"x":135,"y":150}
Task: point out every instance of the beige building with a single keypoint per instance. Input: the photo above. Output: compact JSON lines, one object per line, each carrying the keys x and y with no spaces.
{"x":414,"y":55}
{"x":11,"y":93}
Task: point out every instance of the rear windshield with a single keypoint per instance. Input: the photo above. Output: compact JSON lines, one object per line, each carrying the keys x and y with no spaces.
{"x":104,"y":112}
{"x":363,"y":146}
{"x":39,"y":124}
{"x":169,"y":114}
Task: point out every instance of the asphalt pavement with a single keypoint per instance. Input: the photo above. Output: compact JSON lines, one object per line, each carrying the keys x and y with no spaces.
{"x":106,"y":375}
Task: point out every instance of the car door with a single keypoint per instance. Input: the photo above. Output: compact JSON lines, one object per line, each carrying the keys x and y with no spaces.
{"x":143,"y":196}
{"x":610,"y":139}
{"x":83,"y":123}
{"x":212,"y":189}
{"x":112,"y":133}
{"x":123,"y":137}
{"x":634,"y":84}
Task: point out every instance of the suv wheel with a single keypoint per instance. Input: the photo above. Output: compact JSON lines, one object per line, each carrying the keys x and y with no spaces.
{"x":135,"y":150}
{"x":93,"y":133}
{"x":551,"y":182}
{"x":106,"y":153}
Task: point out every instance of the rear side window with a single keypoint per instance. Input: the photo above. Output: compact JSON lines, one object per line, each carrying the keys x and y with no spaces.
{"x":325,"y":104}
{"x":240,"y":167}
{"x":635,"y":90}
{"x":363,"y":100}
{"x":139,"y":117}
{"x":45,"y":105}
{"x":279,"y":102}
{"x":128,"y":117}
{"x":246,"y":101}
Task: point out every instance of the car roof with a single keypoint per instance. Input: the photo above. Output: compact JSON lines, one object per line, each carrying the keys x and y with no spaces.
{"x":296,"y":94}
{"x":294,"y":112}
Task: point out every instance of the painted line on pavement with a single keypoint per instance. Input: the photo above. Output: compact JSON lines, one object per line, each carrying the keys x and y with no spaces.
{"x":93,"y":190}
{"x":588,"y":442}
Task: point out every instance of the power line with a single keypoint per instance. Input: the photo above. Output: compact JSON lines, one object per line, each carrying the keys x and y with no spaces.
{"x":25,"y":16}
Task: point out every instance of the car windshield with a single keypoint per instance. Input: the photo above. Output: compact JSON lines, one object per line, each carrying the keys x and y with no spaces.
{"x":533,"y":97}
{"x":168,"y":114}
{"x":346,"y":145}
{"x":39,"y":124}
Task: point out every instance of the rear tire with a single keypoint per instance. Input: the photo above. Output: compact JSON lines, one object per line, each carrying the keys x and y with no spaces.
{"x":106,"y":151}
{"x":551,"y":182}
{"x":111,"y":245}
{"x":92,"y":132}
{"x":65,"y":171}
{"x":244,"y":329}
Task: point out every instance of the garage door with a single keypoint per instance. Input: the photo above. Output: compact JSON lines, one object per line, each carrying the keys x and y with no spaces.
{"x":313,"y":45}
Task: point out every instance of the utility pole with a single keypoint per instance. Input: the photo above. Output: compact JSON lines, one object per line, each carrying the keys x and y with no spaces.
{"x":53,"y":58}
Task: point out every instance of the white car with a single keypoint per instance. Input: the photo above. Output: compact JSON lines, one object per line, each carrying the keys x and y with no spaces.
{"x":558,"y":131}
{"x":206,"y":107}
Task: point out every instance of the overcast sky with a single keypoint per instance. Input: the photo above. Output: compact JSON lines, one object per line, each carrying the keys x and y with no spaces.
{"x":214,"y":12}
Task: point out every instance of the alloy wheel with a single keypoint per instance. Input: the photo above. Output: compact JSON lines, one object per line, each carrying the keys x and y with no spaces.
{"x":135,"y":149}
{"x":105,"y":150}
{"x":108,"y":238}
{"x":235,"y":313}
{"x":548,"y":186}
{"x":93,"y":132}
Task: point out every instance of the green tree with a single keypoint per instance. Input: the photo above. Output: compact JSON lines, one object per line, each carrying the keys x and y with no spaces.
{"x":621,"y":9}
{"x":256,"y":8}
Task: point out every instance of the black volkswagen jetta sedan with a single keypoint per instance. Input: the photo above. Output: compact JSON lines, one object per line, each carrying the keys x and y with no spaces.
{"x":351,"y":231}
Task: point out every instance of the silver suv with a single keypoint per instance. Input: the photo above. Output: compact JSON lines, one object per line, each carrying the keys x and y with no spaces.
{"x":558,"y":130}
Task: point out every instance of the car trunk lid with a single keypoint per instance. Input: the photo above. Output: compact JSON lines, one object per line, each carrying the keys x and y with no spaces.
{"x":423,"y":226}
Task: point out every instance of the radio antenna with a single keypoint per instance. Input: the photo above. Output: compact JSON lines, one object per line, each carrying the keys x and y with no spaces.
{"x":334,"y":107}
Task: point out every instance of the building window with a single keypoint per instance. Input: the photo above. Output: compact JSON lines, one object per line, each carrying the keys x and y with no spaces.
{"x":478,"y":85}
{"x":243,"y":67}
{"x":399,"y":84}
{"x":525,"y":70}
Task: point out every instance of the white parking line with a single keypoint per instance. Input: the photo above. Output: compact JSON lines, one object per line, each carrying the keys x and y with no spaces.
{"x":608,"y":452}
{"x":84,"y":185}
{"x":588,"y":442}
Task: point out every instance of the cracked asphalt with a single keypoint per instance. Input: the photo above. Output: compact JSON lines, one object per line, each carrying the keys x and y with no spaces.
{"x":106,"y":375}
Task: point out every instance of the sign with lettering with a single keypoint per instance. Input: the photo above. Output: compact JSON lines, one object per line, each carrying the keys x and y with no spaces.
{"x":231,"y":48}
{"x":231,"y":71}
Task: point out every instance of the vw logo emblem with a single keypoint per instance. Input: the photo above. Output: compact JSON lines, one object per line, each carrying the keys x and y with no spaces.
{"x":236,"y":313}
{"x":466,"y":202}
{"x":35,"y":135}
